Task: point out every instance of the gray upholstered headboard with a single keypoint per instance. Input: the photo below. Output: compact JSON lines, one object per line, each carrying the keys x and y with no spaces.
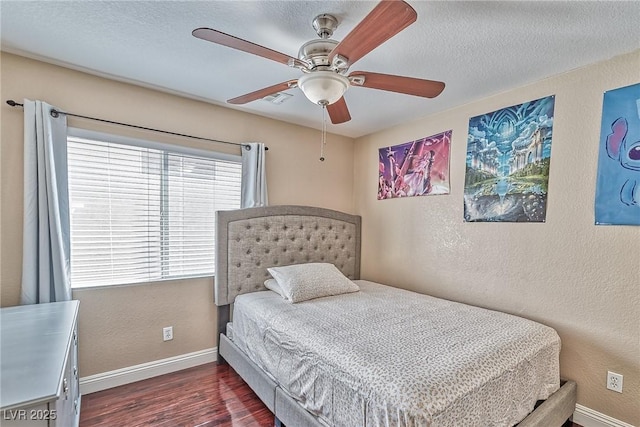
{"x":251,"y":240}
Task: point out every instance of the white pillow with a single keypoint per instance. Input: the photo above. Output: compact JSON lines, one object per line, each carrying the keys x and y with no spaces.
{"x":272,"y":284}
{"x":301,"y":282}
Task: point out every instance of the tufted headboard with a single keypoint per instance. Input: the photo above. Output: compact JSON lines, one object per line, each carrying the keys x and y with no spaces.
{"x":251,"y":240}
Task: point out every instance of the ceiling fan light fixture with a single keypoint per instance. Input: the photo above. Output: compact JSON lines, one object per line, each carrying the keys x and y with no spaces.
{"x":323,"y":87}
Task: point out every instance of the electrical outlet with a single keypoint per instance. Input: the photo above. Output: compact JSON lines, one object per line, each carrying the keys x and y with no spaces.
{"x":167,"y":333}
{"x":614,"y":381}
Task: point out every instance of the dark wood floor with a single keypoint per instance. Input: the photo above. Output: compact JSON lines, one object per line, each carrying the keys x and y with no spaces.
{"x":204,"y":396}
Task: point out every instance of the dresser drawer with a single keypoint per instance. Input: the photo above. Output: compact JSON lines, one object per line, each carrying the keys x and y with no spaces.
{"x":40,"y":384}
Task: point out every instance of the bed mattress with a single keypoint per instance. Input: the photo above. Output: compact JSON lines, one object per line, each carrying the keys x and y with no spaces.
{"x":388,"y":357}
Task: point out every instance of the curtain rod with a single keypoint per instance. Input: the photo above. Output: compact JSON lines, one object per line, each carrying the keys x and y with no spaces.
{"x":55,"y":113}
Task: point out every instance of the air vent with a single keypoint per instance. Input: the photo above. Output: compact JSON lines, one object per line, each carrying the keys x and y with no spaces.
{"x":277,"y":98}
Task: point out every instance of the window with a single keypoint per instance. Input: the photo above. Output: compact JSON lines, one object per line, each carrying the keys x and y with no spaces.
{"x":143,"y":212}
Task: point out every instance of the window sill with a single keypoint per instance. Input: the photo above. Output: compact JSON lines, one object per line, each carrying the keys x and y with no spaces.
{"x":155,"y":282}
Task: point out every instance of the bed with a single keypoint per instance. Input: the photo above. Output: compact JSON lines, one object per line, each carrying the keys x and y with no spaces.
{"x":376,"y":355}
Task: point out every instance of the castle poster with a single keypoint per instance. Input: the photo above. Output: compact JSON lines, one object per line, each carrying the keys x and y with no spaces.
{"x":507,"y":164}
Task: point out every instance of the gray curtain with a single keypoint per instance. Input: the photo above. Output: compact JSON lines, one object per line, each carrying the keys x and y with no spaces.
{"x":46,"y":253}
{"x":254,"y":176}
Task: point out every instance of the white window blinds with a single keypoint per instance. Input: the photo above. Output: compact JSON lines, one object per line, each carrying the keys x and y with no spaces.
{"x":143,"y":214}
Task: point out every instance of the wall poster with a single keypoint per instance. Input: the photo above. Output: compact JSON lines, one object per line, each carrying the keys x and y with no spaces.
{"x":416,"y":168}
{"x":507,"y":165}
{"x":618,"y":180}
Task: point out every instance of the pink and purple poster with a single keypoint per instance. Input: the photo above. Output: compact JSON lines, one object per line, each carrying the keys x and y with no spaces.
{"x":416,"y":168}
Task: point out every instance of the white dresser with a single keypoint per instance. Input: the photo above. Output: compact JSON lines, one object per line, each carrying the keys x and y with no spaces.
{"x":39,"y":365}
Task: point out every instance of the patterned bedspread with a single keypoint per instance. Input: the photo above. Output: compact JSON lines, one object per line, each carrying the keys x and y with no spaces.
{"x":389,"y":357}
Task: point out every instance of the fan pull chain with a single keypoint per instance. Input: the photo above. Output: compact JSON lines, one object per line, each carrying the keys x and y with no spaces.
{"x":323,"y":138}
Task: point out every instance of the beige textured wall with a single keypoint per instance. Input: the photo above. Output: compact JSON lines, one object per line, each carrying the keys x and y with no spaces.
{"x":581,"y":279}
{"x":122,"y":326}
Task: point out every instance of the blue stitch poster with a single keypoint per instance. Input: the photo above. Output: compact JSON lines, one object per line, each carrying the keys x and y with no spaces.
{"x":618,"y":181}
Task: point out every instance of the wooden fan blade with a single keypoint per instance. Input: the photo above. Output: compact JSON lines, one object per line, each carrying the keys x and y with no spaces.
{"x":400,"y":84}
{"x":223,"y":39}
{"x":386,"y":20}
{"x":259,"y":94}
{"x":338,"y":112}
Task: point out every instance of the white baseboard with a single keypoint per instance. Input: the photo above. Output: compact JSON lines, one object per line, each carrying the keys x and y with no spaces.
{"x":587,"y":417}
{"x":131,"y":374}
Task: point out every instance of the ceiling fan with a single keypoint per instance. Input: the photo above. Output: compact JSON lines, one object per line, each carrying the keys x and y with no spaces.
{"x":324,"y":61}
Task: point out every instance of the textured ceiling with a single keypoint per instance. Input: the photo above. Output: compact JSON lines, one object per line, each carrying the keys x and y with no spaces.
{"x":476,"y":48}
